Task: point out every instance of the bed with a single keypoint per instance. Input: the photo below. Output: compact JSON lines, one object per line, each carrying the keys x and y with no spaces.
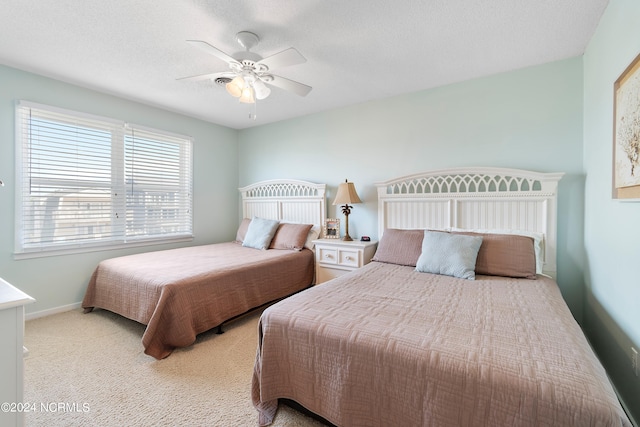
{"x":410,"y":341}
{"x":179,"y":293}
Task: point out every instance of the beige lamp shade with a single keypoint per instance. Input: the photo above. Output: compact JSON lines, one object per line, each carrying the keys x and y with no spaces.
{"x":346,"y":194}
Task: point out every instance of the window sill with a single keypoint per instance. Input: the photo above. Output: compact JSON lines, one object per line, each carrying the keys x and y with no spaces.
{"x":97,"y":248}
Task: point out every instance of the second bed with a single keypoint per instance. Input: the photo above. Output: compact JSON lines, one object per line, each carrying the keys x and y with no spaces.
{"x":180,"y":293}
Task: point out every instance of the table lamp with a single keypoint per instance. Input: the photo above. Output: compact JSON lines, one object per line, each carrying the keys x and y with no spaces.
{"x":346,"y":195}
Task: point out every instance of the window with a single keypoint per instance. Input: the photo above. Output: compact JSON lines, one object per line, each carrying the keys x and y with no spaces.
{"x":89,"y":182}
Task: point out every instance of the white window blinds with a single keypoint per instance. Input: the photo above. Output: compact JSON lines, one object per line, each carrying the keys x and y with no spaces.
{"x":86,"y":181}
{"x":158,"y":184}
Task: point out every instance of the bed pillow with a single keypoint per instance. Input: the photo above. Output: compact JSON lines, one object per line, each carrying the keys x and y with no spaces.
{"x":313,"y":234}
{"x":507,"y":255}
{"x":242,"y":230}
{"x":290,"y":236}
{"x":538,"y":241}
{"x":449,"y":254}
{"x":402,"y":247}
{"x":260,"y":232}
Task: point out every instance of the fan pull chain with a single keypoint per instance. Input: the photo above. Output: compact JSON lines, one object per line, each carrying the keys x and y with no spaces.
{"x":255,"y":108}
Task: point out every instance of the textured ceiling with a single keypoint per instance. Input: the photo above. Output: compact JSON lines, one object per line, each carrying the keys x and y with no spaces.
{"x":356,"y":51}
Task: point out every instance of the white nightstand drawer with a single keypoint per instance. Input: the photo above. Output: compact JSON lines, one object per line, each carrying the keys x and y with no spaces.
{"x":349,"y":258}
{"x":328,"y":255}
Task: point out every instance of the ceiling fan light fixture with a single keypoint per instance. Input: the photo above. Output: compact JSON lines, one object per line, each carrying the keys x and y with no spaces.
{"x":261,"y":90}
{"x":248,"y":77}
{"x":235,"y":87}
{"x":247,"y":95}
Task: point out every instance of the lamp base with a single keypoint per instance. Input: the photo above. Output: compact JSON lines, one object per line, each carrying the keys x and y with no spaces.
{"x":346,"y":210}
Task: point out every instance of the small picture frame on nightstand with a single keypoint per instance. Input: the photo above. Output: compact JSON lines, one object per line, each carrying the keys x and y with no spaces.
{"x":331,"y":229}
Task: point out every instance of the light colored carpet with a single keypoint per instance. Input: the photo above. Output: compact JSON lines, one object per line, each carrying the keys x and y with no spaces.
{"x":90,"y":370}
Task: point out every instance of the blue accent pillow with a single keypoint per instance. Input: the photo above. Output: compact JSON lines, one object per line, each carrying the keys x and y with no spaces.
{"x":449,"y":254}
{"x":260,"y":233}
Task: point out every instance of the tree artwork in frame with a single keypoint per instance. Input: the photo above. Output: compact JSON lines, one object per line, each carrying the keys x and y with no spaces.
{"x":626,"y":133}
{"x":331,"y":228}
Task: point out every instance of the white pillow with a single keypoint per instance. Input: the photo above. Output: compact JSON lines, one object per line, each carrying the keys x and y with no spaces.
{"x":313,"y":235}
{"x":449,"y":254}
{"x":260,"y":233}
{"x":538,"y":241}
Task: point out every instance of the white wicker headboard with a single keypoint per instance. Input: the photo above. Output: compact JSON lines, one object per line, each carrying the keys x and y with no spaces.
{"x":474,"y":198}
{"x":285,"y":200}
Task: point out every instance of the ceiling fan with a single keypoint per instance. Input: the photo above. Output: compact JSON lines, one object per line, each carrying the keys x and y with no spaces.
{"x":249,"y":73}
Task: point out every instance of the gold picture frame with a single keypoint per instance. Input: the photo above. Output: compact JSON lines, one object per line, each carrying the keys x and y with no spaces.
{"x":626,"y":133}
{"x":331,"y":228}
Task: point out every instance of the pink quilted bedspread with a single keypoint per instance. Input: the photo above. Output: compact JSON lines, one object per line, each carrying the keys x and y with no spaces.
{"x":387,"y":346}
{"x":180,"y":293}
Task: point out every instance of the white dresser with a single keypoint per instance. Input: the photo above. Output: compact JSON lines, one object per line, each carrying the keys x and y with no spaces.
{"x":12,"y":302}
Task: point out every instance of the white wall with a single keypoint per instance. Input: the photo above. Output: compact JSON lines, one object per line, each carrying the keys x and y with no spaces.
{"x":61,"y":280}
{"x":529,"y":119}
{"x":612,"y":228}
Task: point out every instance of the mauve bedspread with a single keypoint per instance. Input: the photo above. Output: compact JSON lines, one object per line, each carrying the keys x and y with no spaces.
{"x":387,"y":346}
{"x":180,"y":293}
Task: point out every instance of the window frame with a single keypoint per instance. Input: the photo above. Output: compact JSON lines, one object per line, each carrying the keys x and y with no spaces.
{"x":120,"y":131}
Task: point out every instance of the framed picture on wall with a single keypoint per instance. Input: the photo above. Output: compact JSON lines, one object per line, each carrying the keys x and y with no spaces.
{"x":331,"y":228}
{"x":626,"y":133}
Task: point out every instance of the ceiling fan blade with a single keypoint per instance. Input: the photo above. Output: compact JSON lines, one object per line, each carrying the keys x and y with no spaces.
{"x":283,"y":59}
{"x":290,"y":85}
{"x":212,"y":50}
{"x":208,"y":76}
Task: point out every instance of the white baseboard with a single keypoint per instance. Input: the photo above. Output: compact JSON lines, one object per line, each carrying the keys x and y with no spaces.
{"x":55,"y":310}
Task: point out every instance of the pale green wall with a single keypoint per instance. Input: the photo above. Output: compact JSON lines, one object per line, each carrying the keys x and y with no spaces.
{"x":528,"y":119}
{"x":612,"y":228}
{"x":61,"y":280}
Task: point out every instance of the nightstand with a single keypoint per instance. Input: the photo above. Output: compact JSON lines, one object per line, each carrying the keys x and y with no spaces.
{"x":336,"y":257}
